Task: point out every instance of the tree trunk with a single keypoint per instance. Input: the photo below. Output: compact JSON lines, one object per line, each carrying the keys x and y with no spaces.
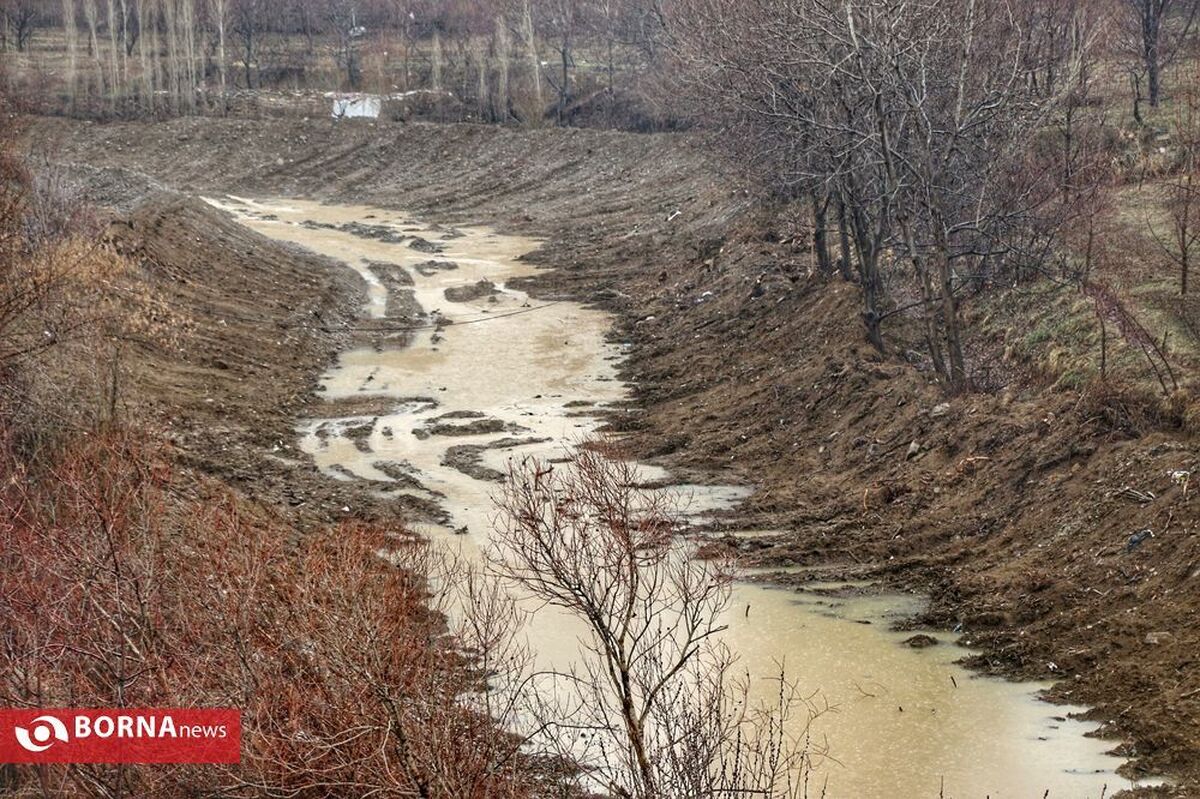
{"x":188,"y":76}
{"x":502,"y":80}
{"x":868,"y":277}
{"x":535,"y":64}
{"x":169,"y":23}
{"x":124,"y":46}
{"x":435,"y":55}
{"x":957,"y":374}
{"x":1151,"y":30}
{"x":113,"y":63}
{"x":1103,"y":344}
{"x":90,"y":14}
{"x":564,"y":87}
{"x":1153,"y":78}
{"x":871,"y":292}
{"x":248,"y":57}
{"x":481,"y":66}
{"x":219,"y":13}
{"x":820,"y":234}
{"x":1136,"y":83}
{"x":844,"y":241}
{"x":71,"y":35}
{"x":144,"y":55}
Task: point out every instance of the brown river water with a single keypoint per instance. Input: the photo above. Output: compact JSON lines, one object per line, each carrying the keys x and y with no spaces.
{"x":516,"y":377}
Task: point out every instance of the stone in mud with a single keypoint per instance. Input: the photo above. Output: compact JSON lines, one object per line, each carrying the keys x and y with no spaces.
{"x":425,"y":245}
{"x":402,"y":474}
{"x":342,"y":473}
{"x":359,"y":433}
{"x":428,"y":268}
{"x":372,"y":405}
{"x":466,"y":459}
{"x":382,"y":233}
{"x":448,"y":233}
{"x":921,"y":641}
{"x":476,"y":427}
{"x":483,"y":288}
{"x":392,"y":272}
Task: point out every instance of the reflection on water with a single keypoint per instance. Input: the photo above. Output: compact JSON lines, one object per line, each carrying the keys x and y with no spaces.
{"x":481,"y":374}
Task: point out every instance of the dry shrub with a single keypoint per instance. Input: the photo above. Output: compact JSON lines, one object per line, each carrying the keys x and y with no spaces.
{"x":69,"y":309}
{"x":1129,"y":409}
{"x":118,"y":591}
{"x":654,"y":706}
{"x":69,"y":306}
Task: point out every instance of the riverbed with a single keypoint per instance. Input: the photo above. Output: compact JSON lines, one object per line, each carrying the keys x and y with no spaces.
{"x":466,"y":372}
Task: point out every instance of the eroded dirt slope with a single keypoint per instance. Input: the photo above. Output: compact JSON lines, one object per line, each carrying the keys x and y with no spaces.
{"x":1025,"y":513}
{"x":252,"y":324}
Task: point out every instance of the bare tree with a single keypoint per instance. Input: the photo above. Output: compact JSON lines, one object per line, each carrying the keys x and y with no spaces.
{"x":96,"y":74}
{"x":529,"y":34}
{"x":559,"y":22}
{"x":917,"y":118}
{"x":219,"y":12}
{"x":114,"y":53}
{"x":249,"y":24}
{"x":1151,"y":34}
{"x":651,"y":710}
{"x":147,"y":51}
{"x":342,"y":16}
{"x":502,"y":46}
{"x":21,"y":17}
{"x":71,"y":37}
{"x":1181,"y":189}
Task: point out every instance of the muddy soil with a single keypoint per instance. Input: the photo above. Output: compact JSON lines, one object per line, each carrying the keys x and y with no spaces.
{"x":226,"y":395}
{"x":1059,"y":535}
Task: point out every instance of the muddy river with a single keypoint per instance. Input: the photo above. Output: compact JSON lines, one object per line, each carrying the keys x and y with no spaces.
{"x":475,"y":373}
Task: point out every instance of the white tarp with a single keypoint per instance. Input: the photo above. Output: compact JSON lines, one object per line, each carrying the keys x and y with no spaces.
{"x":357,"y":105}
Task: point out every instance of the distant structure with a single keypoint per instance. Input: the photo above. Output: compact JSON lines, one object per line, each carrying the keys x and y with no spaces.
{"x":356,"y":105}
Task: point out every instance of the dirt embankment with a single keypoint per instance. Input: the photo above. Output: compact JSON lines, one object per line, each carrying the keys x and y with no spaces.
{"x":1061,"y":538}
{"x":252,"y":326}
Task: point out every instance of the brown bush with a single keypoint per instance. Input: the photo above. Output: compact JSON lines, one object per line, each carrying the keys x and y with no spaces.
{"x":118,"y":590}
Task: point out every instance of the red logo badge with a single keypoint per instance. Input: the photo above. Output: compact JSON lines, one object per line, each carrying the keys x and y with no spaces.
{"x":120,"y":735}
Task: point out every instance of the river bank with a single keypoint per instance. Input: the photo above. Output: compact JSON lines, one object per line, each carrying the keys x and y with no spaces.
{"x":742,"y":374}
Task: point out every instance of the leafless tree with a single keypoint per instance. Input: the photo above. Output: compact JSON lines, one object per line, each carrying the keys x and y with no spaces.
{"x":21,"y":18}
{"x":559,"y":23}
{"x":71,"y":38}
{"x":249,"y":21}
{"x":502,"y":52}
{"x":917,"y":118}
{"x":342,"y":16}
{"x":651,"y":710}
{"x":219,"y":13}
{"x":1150,"y":35}
{"x":1181,"y":189}
{"x":529,"y":34}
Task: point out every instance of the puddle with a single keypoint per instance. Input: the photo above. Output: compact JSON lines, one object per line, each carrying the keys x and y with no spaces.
{"x":483,"y":373}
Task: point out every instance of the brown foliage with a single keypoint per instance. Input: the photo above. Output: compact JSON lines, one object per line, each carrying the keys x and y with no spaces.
{"x":69,"y":305}
{"x":118,"y":591}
